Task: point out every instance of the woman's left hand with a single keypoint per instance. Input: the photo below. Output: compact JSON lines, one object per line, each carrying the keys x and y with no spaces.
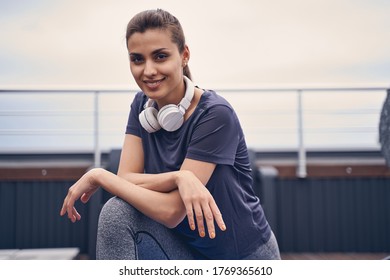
{"x":199,"y":202}
{"x":83,"y":189}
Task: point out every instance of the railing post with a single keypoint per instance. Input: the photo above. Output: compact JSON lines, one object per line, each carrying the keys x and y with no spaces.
{"x":97,"y":153}
{"x":301,"y":169}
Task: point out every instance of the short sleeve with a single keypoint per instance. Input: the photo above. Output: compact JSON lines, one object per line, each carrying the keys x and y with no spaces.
{"x":133,"y":124}
{"x":215,"y":137}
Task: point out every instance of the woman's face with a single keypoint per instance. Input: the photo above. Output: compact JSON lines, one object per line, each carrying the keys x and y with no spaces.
{"x":157,"y":65}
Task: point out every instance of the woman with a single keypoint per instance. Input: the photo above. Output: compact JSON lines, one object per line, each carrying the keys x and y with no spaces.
{"x":184,"y":187}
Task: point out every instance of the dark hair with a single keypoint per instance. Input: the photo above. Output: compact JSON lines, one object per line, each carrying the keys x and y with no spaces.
{"x":159,"y":19}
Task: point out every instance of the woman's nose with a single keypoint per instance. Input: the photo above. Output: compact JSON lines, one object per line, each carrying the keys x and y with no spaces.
{"x":150,"y":68}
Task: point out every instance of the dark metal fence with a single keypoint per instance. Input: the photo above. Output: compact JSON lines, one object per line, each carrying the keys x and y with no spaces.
{"x":313,"y":214}
{"x":332,"y":214}
{"x":29,"y":216}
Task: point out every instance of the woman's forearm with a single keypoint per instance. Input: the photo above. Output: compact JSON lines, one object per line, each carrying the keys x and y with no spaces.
{"x":162,"y":182}
{"x":164,"y":207}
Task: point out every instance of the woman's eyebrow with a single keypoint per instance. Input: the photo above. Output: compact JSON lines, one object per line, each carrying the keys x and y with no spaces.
{"x":153,"y":53}
{"x":135,"y":54}
{"x":158,"y":50}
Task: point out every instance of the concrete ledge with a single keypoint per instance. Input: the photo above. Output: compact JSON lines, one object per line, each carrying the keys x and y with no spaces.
{"x":40,"y":254}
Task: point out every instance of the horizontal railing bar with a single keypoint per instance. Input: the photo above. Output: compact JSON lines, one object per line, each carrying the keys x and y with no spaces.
{"x":63,"y":90}
{"x":46,"y":132}
{"x":341,"y":112}
{"x":110,"y":131}
{"x":294,"y":90}
{"x":44,"y":113}
{"x":106,"y":113}
{"x":252,"y":89}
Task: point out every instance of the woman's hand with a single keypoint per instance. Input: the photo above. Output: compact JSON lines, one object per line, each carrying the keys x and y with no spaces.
{"x":198,"y":200}
{"x":83,"y":189}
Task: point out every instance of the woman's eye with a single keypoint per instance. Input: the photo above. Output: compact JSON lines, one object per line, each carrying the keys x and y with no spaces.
{"x":136,"y":59}
{"x":161,"y":56}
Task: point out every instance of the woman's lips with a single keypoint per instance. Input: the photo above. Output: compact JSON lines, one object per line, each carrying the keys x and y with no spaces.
{"x":153,"y":84}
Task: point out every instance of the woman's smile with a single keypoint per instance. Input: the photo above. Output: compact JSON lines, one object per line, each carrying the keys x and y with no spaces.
{"x":153,"y":84}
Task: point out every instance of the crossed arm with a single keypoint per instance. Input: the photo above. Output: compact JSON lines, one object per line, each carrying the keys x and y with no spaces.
{"x":165,"y":197}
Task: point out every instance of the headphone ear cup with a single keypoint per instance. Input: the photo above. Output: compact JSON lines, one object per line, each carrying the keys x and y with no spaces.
{"x":148,"y":119}
{"x":170,"y":117}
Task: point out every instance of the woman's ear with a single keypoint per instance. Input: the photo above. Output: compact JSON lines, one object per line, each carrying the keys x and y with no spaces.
{"x":185,"y":55}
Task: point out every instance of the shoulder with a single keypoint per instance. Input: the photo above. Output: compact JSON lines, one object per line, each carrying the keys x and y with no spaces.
{"x":210,"y":100}
{"x":215,"y":110}
{"x":139,"y":97}
{"x":139,"y":101}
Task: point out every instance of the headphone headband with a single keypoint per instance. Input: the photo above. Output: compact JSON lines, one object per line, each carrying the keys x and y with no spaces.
{"x":189,"y":94}
{"x":171,"y":116}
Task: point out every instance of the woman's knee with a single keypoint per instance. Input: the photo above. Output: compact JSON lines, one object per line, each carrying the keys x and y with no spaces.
{"x":115,"y":238}
{"x":116,"y":212}
{"x":124,"y":232}
{"x":115,"y":223}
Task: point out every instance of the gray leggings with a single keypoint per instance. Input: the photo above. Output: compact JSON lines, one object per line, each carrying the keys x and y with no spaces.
{"x":124,"y":233}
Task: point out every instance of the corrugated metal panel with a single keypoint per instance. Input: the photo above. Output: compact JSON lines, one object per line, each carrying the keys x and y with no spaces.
{"x":311,"y":215}
{"x":29,"y":216}
{"x":333,"y":215}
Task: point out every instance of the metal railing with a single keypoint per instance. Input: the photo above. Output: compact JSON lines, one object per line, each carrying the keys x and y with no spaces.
{"x":86,"y":116}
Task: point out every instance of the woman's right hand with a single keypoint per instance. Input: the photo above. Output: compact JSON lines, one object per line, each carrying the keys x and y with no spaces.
{"x":83,"y":189}
{"x":198,"y":200}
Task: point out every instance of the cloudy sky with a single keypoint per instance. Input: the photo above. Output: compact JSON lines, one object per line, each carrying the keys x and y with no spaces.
{"x":240,"y":43}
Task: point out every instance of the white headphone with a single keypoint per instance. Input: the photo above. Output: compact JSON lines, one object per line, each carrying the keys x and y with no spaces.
{"x":170,"y":117}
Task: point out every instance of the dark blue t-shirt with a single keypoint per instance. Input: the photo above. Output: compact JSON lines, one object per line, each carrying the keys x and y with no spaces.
{"x":211,"y":134}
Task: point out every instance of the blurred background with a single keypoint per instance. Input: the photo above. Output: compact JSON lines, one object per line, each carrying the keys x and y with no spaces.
{"x":308,"y":80}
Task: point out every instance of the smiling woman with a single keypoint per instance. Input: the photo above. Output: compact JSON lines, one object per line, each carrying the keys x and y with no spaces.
{"x":183,"y":192}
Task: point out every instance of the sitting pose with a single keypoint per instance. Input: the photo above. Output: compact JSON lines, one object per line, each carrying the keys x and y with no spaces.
{"x":184,"y":185}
